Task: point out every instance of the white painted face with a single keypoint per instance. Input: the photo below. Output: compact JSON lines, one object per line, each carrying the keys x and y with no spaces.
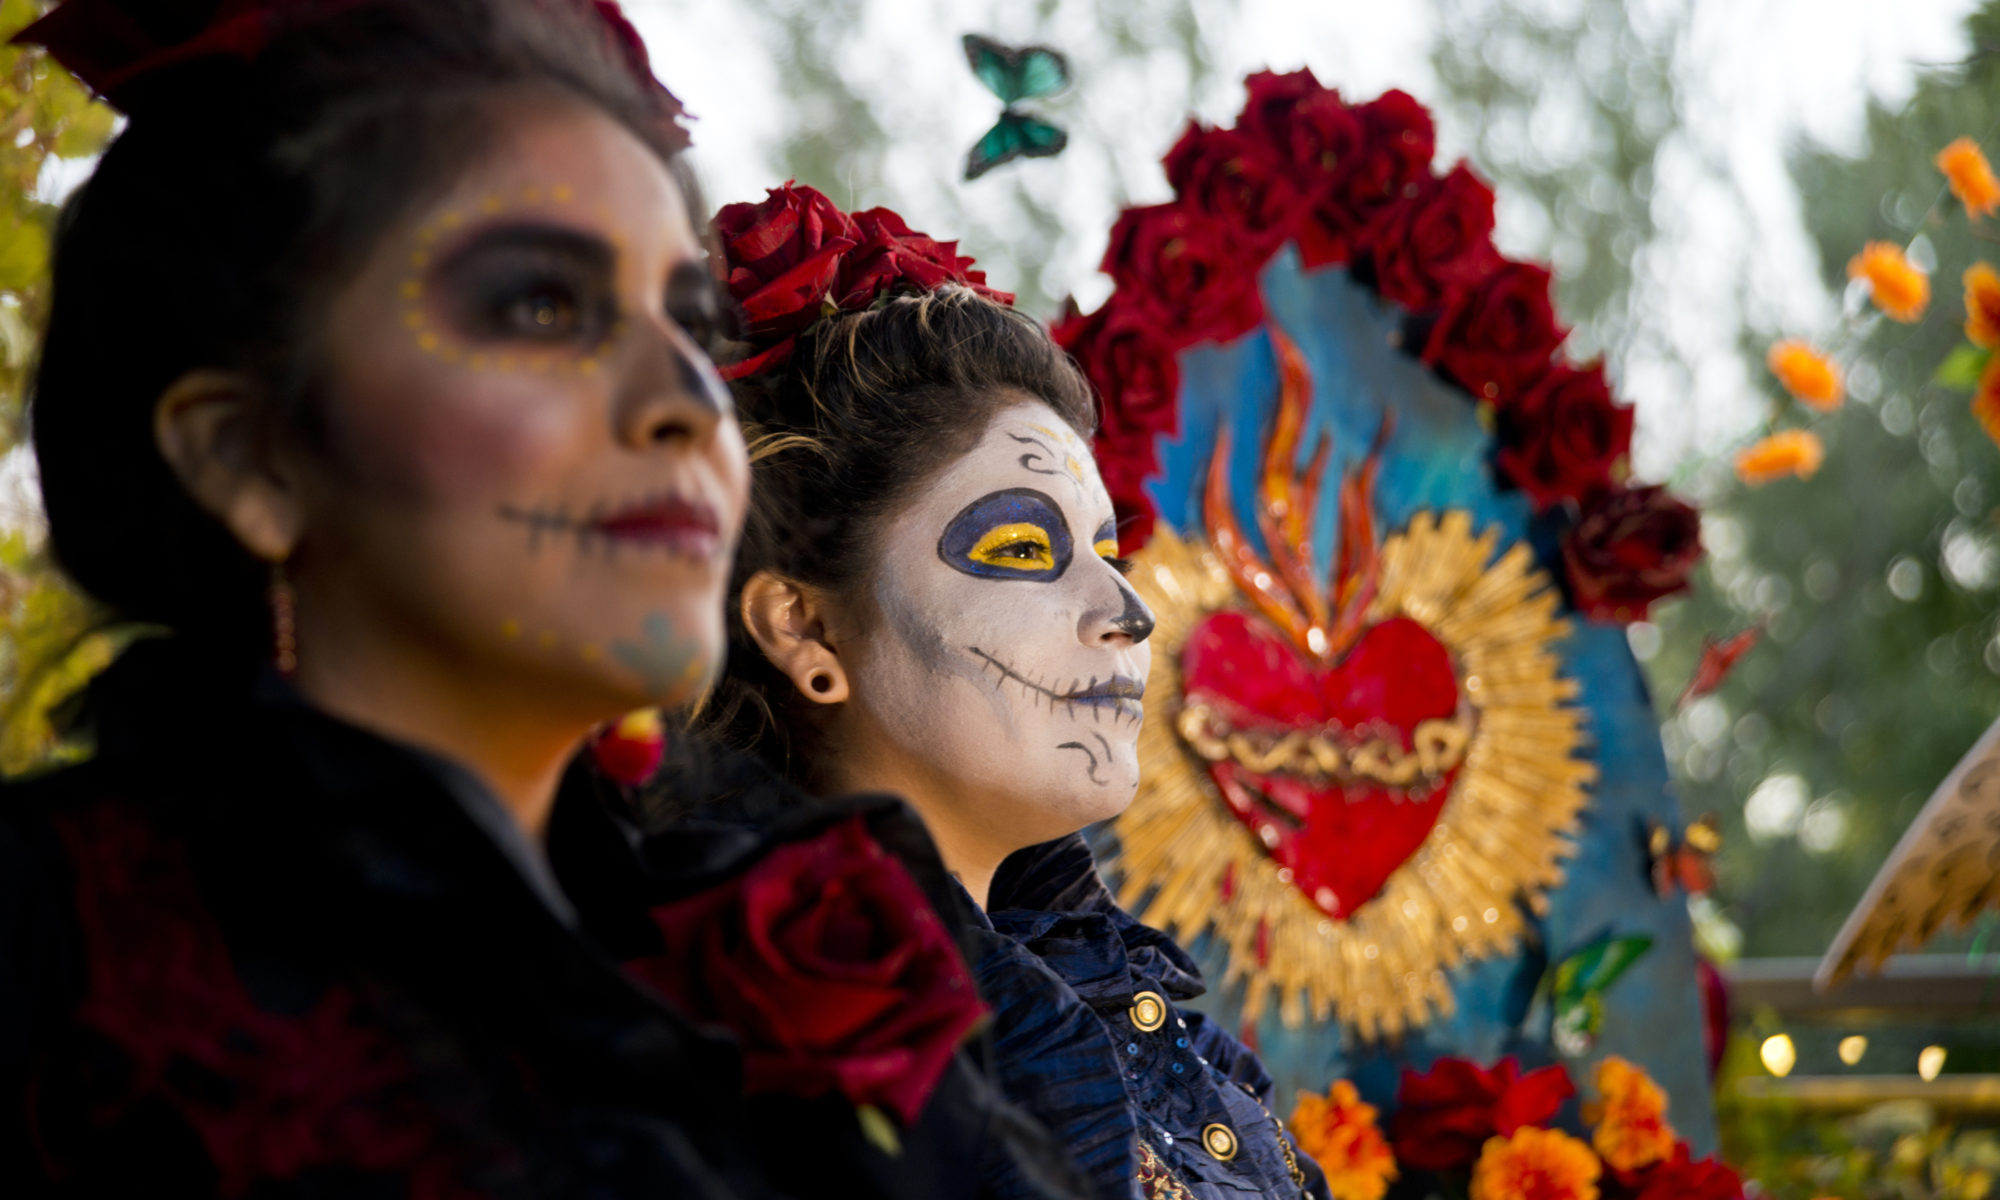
{"x":1010,"y":655}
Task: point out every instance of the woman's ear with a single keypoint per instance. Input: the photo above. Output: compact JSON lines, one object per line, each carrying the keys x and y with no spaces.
{"x":214,"y":432}
{"x":788,"y":622}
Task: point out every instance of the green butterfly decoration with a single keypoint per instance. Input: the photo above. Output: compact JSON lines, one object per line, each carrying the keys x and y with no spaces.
{"x":1028,"y":73}
{"x":1577,"y":985}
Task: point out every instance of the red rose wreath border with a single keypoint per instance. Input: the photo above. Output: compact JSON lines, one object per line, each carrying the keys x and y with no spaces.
{"x":1353,"y":185}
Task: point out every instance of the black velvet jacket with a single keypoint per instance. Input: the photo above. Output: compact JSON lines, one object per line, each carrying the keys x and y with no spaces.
{"x":248,"y":950}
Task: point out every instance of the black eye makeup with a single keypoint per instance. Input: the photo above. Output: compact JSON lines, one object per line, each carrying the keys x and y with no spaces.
{"x":1018,"y":533}
{"x":1106,"y":546}
{"x":694,"y":300}
{"x":529,"y":284}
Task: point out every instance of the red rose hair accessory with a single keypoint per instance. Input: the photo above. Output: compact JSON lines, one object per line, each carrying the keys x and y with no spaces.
{"x":112,"y":45}
{"x":794,"y":258}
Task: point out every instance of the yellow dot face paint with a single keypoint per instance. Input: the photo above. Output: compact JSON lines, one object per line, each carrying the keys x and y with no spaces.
{"x":568,"y":304}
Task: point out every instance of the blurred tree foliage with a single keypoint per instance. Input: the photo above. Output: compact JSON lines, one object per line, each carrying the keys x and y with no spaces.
{"x":47,"y":643}
{"x":1878,"y":577}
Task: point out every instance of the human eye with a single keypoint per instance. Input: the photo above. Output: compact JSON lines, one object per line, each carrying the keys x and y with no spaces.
{"x":528,"y":287}
{"x":1021,"y":546}
{"x":694,"y":302}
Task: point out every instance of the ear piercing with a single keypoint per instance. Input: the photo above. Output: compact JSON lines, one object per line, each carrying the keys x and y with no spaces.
{"x":820,"y":682}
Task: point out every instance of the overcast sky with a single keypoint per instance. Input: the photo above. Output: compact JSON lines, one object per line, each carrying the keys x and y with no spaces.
{"x":1765,"y":74}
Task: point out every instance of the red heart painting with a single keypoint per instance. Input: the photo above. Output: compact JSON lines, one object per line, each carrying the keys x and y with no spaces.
{"x":1339,"y":769}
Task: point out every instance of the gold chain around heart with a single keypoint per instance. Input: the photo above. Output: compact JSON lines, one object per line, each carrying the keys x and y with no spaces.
{"x":1498,"y":844}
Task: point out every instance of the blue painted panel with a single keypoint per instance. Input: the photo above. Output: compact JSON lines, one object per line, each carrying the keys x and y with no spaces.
{"x":1437,"y":458}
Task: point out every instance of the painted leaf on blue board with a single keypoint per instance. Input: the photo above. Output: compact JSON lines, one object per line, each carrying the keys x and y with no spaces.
{"x":1578,"y":984}
{"x":1016,"y":74}
{"x":1016,"y":135}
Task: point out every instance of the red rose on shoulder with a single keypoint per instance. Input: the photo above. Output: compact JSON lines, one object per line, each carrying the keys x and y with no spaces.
{"x":1389,"y":158}
{"x":1236,"y":179}
{"x":827,"y":963}
{"x":1630,"y":548}
{"x":1561,"y":437}
{"x":1675,"y":1178}
{"x":1123,"y":353}
{"x":1496,"y":337}
{"x":1437,"y":244}
{"x":1444,"y":1116}
{"x":1206,"y":289}
{"x":892,"y":255}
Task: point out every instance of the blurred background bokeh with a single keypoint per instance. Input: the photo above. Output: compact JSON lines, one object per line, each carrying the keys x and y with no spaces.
{"x":1698,"y":172}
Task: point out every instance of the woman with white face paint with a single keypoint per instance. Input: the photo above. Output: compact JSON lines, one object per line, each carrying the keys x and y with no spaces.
{"x":929,"y":601}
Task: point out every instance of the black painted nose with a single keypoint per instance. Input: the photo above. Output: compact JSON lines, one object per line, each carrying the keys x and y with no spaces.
{"x":1136,"y":621}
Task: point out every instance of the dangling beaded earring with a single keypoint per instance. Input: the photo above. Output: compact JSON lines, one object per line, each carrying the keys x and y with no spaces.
{"x":284,"y":634}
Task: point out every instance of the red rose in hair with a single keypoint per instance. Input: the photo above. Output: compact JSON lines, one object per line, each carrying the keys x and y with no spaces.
{"x":1630,"y":548}
{"x":1173,"y":253}
{"x":891,"y":255}
{"x":1675,"y":1178}
{"x":1134,"y":369}
{"x":1236,"y":179}
{"x":827,"y":963}
{"x":1303,"y":122}
{"x":1560,"y":438}
{"x":1497,"y":337}
{"x":1437,"y":244}
{"x":1390,"y":157}
{"x":781,"y":257}
{"x":1443,"y":1117}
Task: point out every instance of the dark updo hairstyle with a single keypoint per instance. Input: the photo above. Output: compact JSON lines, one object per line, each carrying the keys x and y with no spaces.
{"x":871,"y":408}
{"x":239,"y":198}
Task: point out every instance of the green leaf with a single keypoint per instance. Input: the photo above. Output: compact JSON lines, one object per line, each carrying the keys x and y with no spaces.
{"x":1962,"y":368}
{"x":879,"y":1130}
{"x":86,"y":133}
{"x":1597,"y":966}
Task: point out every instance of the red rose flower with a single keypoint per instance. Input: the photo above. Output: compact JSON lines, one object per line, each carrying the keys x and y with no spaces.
{"x":1437,"y":244}
{"x":1237,"y":180}
{"x":1630,"y":548}
{"x":827,"y":963}
{"x":1134,"y":368}
{"x":1302,"y":121}
{"x":780,"y":258}
{"x":1207,"y":291}
{"x":1390,"y":157}
{"x":1560,"y":438}
{"x":1497,"y":337}
{"x":1443,"y":1117}
{"x":1675,"y":1178}
{"x":892,"y":255}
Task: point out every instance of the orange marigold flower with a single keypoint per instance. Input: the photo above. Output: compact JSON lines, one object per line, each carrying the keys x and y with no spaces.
{"x":1808,"y":374}
{"x":1342,"y":1135}
{"x":1986,"y":399}
{"x":1633,"y":1132}
{"x":1982,"y":305}
{"x":1900,"y":290}
{"x":1971,"y":177}
{"x":1535,"y":1164}
{"x":1792,"y":452}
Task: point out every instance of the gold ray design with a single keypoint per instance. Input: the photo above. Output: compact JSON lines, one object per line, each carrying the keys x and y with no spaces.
{"x":1498,"y":844}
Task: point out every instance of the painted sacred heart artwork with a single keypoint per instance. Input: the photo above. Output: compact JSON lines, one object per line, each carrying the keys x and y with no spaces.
{"x":1398,"y":762}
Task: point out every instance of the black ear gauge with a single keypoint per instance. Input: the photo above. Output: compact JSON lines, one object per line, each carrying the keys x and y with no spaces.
{"x":820,"y":682}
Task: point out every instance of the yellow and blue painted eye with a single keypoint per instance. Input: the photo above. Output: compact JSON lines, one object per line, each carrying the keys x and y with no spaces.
{"x":1106,"y":541}
{"x":1014,"y":534}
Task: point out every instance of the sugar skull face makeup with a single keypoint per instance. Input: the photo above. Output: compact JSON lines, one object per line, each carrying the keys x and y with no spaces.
{"x":1009,"y":655}
{"x":533,"y":468}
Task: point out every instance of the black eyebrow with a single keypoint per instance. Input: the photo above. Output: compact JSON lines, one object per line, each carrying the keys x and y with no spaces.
{"x":536,"y":236}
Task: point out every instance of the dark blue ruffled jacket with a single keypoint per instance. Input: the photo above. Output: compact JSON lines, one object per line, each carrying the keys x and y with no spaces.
{"x":1153,"y":1101}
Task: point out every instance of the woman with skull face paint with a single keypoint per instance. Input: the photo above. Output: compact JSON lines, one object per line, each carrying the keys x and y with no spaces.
{"x":375,"y":379}
{"x":929,"y":602}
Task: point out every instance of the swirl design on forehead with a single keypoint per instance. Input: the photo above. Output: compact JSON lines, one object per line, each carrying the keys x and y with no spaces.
{"x":1018,"y":533}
